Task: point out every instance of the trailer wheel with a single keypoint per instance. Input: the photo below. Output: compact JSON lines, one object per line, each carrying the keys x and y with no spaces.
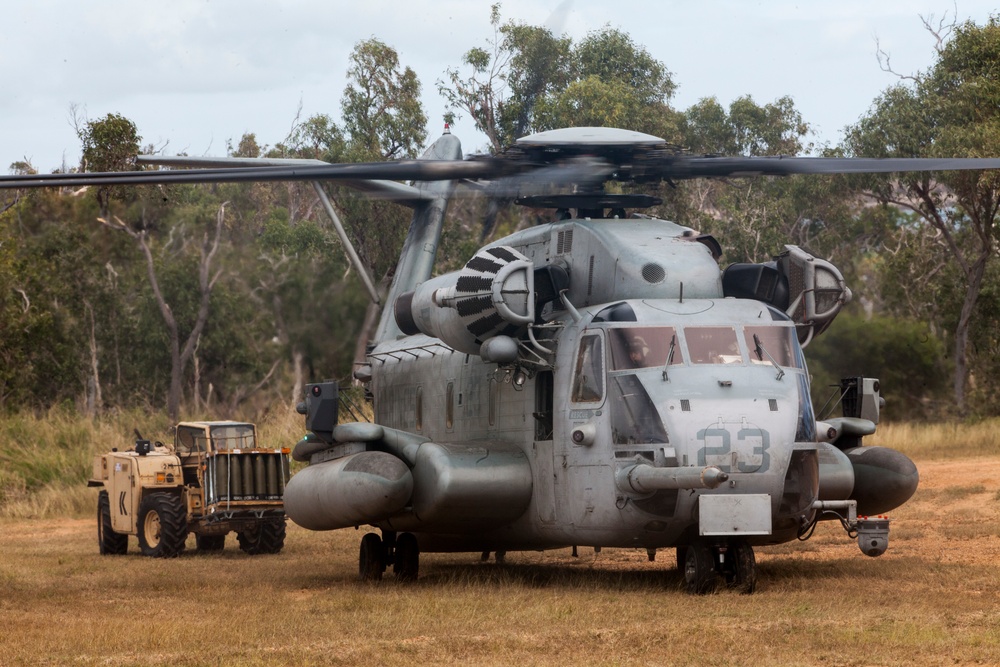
{"x":210,"y":542}
{"x":108,"y":541}
{"x":267,"y":537}
{"x":162,"y":526}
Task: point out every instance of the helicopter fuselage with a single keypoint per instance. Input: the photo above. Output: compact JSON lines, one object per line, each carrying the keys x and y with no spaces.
{"x":716,"y":403}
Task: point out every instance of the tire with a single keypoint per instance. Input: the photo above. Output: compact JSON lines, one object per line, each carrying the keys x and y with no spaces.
{"x":109,"y":542}
{"x":162,"y":525}
{"x":406,"y":563}
{"x":741,"y":568}
{"x":681,"y":558}
{"x":210,"y":542}
{"x":266,"y":537}
{"x":699,"y":569}
{"x":371,"y":558}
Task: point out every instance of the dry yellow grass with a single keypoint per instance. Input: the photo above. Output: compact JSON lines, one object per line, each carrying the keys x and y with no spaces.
{"x":933,"y":599}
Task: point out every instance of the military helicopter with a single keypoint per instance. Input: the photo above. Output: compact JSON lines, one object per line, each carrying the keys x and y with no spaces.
{"x":596,"y":380}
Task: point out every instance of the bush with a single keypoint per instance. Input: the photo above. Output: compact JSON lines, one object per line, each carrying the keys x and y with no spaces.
{"x":908,"y":359}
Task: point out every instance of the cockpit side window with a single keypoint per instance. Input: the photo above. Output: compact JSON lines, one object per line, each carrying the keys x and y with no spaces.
{"x":713,"y":345}
{"x":588,"y":380}
{"x":643,"y":347}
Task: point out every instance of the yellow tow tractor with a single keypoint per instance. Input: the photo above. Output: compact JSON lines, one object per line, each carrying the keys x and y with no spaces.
{"x":216,"y":478}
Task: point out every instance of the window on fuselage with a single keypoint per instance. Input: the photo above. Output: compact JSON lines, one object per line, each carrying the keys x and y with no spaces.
{"x":713,"y":345}
{"x":779,"y":342}
{"x":634,"y":419}
{"x":449,"y":408}
{"x":643,"y":347}
{"x":588,"y":379}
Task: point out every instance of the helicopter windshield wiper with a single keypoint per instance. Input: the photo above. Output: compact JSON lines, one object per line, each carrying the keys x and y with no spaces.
{"x":670,"y":357}
{"x":762,"y":352}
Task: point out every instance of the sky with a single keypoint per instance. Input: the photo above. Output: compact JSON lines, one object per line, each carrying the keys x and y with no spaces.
{"x":194,"y":75}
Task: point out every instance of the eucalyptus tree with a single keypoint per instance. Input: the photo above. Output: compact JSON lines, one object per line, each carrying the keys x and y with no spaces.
{"x":950,"y":110}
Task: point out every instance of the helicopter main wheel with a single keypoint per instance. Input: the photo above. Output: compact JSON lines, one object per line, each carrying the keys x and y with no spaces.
{"x":740,"y":568}
{"x":406,"y":562}
{"x":699,"y":569}
{"x":371,"y":559}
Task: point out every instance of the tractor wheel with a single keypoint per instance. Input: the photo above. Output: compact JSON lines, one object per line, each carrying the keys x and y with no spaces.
{"x":406,"y":563}
{"x":371,"y":558}
{"x":109,"y":542}
{"x":162,"y":526}
{"x":699,"y":569}
{"x":210,"y":542}
{"x":266,"y":537}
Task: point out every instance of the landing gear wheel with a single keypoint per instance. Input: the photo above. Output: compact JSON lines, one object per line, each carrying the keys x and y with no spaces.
{"x":741,"y":568}
{"x":681,"y":558}
{"x":267,"y":537}
{"x":699,"y":569}
{"x":210,"y":542}
{"x":109,"y":542}
{"x":406,"y":562}
{"x":371,"y":559}
{"x":162,"y":526}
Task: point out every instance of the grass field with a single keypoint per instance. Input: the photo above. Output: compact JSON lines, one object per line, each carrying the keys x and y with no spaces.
{"x":932,"y":599}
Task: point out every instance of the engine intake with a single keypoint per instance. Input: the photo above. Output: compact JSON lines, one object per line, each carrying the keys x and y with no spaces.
{"x":492,"y":295}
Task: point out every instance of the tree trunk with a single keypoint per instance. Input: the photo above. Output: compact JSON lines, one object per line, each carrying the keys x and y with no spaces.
{"x":298,"y":375}
{"x":94,"y":398}
{"x":179,"y":358}
{"x":975,"y":281}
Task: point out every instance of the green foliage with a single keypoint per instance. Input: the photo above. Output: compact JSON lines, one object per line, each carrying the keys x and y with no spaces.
{"x":755,"y":218}
{"x":382,"y":110}
{"x":747,"y":128}
{"x":528,"y":80}
{"x":909,"y":361}
{"x":952,"y":110}
{"x":76,"y":308}
{"x":109,"y":144}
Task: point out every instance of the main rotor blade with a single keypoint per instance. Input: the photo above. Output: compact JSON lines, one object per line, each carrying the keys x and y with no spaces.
{"x":414,"y":170}
{"x":588,"y":172}
{"x":683,"y":167}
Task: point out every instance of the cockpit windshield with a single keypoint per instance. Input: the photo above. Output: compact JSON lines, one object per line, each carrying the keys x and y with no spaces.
{"x":713,"y":345}
{"x":643,"y":347}
{"x":778,"y":342}
{"x":633,"y":348}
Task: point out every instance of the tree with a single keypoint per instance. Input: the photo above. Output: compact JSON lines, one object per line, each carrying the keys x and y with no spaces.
{"x":757,"y":216}
{"x":180,"y":356}
{"x":951,"y":110}
{"x":109,"y":144}
{"x":520,"y":65}
{"x":383,"y":118}
{"x":528,"y":80}
{"x":382,"y":111}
